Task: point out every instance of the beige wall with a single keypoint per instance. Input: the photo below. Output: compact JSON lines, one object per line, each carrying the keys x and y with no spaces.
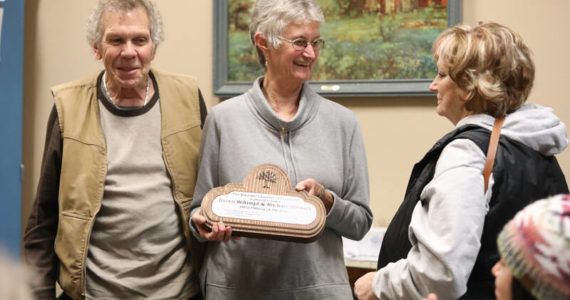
{"x":397,"y":131}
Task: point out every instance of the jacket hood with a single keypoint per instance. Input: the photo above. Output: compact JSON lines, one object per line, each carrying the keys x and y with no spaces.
{"x":534,"y":125}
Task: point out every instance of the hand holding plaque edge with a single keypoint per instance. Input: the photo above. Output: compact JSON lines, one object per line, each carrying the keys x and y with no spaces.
{"x":218,"y":233}
{"x":314,"y":188}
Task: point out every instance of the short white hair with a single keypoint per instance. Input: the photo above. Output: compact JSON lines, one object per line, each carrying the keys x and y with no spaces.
{"x":95,"y":28}
{"x":271,"y":17}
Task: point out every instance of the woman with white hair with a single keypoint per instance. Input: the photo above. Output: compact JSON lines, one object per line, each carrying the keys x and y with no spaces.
{"x":281,"y":121}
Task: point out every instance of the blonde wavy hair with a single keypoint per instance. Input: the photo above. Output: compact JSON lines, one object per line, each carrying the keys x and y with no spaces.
{"x":490,"y":62}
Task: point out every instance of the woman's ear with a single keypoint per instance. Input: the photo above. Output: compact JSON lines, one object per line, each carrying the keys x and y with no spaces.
{"x":261,"y":42}
{"x":466,"y":96}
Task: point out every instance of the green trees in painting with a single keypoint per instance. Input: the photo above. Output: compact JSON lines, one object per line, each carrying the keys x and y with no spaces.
{"x":366,"y":40}
{"x":239,"y":14}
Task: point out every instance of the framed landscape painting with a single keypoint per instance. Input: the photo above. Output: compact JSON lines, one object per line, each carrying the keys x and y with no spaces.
{"x":373,"y":48}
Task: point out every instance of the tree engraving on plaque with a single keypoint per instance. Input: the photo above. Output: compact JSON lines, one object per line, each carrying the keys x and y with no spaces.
{"x":268,"y":177}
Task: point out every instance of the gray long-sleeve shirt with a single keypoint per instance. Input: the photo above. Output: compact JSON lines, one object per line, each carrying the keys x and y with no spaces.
{"x":323,"y":141}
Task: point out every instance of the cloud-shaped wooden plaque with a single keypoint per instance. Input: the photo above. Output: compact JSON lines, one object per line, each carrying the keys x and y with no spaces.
{"x":266,"y":206}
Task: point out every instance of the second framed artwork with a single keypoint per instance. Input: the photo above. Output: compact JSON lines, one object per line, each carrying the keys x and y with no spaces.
{"x":374,"y":48}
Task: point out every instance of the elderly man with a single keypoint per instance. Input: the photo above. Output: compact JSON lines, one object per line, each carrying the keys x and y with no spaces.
{"x":110,"y":218}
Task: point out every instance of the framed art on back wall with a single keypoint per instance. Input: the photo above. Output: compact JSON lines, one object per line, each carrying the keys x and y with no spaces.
{"x":374,"y":48}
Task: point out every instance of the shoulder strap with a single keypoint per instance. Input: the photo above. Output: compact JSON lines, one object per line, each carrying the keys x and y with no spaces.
{"x":492,"y":150}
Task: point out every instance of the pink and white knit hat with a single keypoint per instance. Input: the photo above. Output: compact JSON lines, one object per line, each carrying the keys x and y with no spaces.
{"x":535,"y":244}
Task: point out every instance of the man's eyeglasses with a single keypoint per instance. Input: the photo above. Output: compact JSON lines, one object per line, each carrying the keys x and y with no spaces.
{"x":300,"y":43}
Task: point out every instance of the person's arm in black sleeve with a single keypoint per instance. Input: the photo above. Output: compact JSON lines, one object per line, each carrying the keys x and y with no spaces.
{"x":41,"y":229}
{"x":203,"y":109}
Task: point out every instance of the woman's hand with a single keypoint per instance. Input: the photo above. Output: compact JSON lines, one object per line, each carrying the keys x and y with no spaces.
{"x":314,"y":188}
{"x":431,"y":297}
{"x":219,"y":231}
{"x":363,"y":287}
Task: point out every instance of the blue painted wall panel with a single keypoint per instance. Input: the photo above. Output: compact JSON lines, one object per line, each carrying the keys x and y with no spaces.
{"x":11,"y":88}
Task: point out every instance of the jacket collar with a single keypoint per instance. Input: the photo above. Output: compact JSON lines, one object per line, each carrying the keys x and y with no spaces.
{"x":308,"y":106}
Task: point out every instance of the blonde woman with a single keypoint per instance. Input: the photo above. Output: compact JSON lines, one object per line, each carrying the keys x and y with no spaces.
{"x":443,"y":237}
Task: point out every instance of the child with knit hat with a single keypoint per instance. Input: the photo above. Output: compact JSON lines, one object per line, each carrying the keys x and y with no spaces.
{"x":535,"y":253}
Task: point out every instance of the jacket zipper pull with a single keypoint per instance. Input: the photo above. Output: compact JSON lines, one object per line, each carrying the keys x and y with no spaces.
{"x":283,"y":132}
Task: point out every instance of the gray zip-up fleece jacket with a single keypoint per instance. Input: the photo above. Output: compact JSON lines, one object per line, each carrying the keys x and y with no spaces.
{"x":323,"y":141}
